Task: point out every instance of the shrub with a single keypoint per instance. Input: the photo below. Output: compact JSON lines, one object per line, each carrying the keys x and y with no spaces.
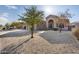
{"x":55,"y":29}
{"x":76,"y":33}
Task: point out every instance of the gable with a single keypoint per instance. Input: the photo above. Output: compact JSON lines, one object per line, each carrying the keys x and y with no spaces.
{"x":51,"y":16}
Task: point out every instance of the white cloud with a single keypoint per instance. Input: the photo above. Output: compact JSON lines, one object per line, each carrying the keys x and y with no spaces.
{"x":11,"y":7}
{"x":3,"y":20}
{"x":4,"y":14}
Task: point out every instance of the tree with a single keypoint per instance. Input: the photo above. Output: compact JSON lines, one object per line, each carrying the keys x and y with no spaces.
{"x":32,"y":16}
{"x":18,"y":25}
{"x":14,"y":24}
{"x":66,"y":14}
{"x":1,"y":26}
{"x":7,"y":25}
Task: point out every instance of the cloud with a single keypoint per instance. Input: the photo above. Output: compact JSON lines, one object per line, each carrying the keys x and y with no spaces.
{"x":11,"y":7}
{"x":4,"y":14}
{"x":3,"y":20}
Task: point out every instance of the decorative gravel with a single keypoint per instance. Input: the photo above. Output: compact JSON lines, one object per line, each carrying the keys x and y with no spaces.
{"x":37,"y":45}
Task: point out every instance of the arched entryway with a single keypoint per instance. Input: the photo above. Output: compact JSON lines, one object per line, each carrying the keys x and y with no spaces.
{"x":50,"y":24}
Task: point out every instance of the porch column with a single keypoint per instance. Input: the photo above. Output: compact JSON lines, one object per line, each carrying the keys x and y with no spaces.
{"x":54,"y":24}
{"x":47,"y":24}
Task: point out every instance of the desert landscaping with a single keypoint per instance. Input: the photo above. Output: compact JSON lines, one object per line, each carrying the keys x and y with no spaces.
{"x":39,"y":44}
{"x":38,"y":31}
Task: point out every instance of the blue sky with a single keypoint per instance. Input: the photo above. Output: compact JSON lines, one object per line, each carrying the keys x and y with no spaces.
{"x":9,"y":13}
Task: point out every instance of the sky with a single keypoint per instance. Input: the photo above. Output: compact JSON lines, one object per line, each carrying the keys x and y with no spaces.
{"x":9,"y":13}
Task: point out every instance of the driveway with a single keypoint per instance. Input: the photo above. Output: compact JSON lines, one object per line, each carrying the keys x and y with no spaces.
{"x":55,"y":37}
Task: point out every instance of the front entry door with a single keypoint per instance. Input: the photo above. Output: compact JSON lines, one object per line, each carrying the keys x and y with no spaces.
{"x":50,"y":24}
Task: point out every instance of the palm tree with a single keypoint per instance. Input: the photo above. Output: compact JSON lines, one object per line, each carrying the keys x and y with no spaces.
{"x":32,"y":16}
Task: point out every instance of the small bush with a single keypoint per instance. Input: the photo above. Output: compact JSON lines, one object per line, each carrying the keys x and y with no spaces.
{"x":76,"y":33}
{"x":55,"y":29}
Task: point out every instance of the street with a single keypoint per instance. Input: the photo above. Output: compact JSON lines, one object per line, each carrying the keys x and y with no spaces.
{"x":13,"y":33}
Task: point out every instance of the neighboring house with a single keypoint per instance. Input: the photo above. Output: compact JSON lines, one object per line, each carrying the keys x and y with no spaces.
{"x":75,"y":24}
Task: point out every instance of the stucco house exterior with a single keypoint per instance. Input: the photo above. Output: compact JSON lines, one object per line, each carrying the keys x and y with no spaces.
{"x":53,"y":21}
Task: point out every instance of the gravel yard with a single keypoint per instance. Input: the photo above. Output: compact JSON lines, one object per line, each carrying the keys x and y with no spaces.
{"x":39,"y":44}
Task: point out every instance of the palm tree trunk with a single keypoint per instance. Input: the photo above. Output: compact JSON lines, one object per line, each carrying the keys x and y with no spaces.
{"x":32,"y":31}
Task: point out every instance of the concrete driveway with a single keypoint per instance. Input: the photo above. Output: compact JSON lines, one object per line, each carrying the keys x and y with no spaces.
{"x":65,"y":37}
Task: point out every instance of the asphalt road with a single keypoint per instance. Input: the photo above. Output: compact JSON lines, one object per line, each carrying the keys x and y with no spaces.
{"x":13,"y":33}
